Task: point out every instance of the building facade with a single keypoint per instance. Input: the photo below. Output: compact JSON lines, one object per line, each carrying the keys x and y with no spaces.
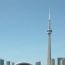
{"x":53,"y":61}
{"x":1,"y":62}
{"x":7,"y":62}
{"x":61,"y":61}
{"x":38,"y":63}
{"x":12,"y":63}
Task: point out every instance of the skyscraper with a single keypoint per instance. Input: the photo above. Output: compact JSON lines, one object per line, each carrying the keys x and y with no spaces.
{"x":38,"y":63}
{"x":1,"y":62}
{"x":12,"y":63}
{"x":49,"y":40}
{"x":7,"y":62}
{"x":53,"y":61}
{"x":61,"y":61}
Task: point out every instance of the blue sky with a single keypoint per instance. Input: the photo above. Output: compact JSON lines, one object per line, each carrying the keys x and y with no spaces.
{"x":23,"y":26}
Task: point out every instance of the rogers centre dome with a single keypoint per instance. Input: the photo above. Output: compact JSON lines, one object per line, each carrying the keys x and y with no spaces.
{"x":24,"y":63}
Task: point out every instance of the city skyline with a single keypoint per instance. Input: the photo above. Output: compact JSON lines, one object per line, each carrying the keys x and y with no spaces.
{"x":23,"y":26}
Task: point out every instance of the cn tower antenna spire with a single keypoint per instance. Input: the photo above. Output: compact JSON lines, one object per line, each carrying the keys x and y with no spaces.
{"x":49,"y":40}
{"x":49,"y":20}
{"x":49,"y":13}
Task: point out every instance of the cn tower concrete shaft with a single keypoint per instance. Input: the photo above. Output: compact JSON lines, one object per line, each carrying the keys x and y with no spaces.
{"x":49,"y":41}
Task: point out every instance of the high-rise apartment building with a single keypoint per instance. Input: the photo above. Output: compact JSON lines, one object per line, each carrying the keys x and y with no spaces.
{"x":53,"y":61}
{"x":7,"y":62}
{"x":38,"y":63}
{"x":61,"y":61}
{"x":1,"y":62}
{"x":12,"y":63}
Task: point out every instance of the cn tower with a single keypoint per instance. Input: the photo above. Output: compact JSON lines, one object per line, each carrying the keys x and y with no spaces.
{"x":49,"y":40}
